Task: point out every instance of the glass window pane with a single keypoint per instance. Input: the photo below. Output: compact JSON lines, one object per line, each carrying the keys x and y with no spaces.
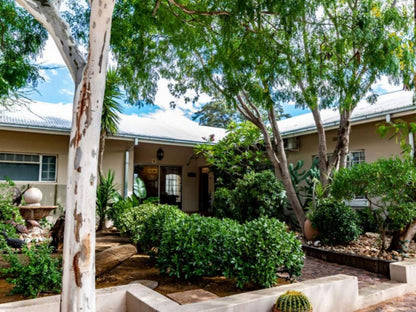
{"x":48,"y":168}
{"x":19,"y":172}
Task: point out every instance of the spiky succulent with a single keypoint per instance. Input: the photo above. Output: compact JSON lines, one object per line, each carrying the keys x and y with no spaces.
{"x":293,"y":301}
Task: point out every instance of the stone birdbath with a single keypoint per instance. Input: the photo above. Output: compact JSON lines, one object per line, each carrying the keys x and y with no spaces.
{"x":33,"y":209}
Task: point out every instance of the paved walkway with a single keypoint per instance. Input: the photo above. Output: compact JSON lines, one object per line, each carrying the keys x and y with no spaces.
{"x":315,"y":268}
{"x":401,"y":304}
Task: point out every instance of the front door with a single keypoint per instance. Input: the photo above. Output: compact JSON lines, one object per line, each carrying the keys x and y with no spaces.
{"x":162,"y":182}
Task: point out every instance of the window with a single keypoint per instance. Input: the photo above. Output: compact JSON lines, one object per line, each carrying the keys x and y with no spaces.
{"x":355,"y":158}
{"x":26,"y":167}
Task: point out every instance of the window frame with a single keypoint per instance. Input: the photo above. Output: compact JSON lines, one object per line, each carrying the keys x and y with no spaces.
{"x":40,"y":163}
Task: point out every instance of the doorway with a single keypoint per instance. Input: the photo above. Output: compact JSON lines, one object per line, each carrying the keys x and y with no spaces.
{"x":162,"y":182}
{"x":204,"y":196}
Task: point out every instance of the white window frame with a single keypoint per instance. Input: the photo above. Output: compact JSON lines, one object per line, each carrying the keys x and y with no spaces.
{"x":40,"y":163}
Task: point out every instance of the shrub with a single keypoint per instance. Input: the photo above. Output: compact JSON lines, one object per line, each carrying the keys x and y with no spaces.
{"x":251,"y":252}
{"x":367,"y":220}
{"x":258,"y":194}
{"x":389,"y":185}
{"x":196,"y":246}
{"x":154,"y":224}
{"x":337,"y":223}
{"x":223,"y":206}
{"x":40,"y":273}
{"x":265,"y":247}
{"x":240,"y":151}
{"x":144,"y":223}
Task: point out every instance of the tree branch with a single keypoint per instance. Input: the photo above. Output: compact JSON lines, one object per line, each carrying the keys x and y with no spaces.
{"x":47,"y":14}
{"x":157,"y":5}
{"x":193,"y":12}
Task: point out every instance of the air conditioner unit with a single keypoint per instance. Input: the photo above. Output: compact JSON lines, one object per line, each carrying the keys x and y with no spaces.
{"x":291,"y":144}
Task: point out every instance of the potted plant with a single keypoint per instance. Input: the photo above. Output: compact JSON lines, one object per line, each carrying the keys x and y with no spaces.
{"x":292,"y":301}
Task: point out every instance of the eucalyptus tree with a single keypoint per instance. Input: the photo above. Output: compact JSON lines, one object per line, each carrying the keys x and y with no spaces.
{"x":338,"y":55}
{"x":21,"y":39}
{"x":260,"y":54}
{"x":89,"y":74}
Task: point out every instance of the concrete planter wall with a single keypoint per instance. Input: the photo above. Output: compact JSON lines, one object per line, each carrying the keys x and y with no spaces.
{"x":334,"y":293}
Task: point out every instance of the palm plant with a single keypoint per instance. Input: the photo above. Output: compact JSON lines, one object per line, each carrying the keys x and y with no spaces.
{"x":111,"y":109}
{"x":106,"y":193}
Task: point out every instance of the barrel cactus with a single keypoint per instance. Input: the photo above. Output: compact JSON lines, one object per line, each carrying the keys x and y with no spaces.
{"x":292,"y":301}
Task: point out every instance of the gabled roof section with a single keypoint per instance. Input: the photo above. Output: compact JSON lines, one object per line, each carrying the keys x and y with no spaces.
{"x":170,"y":127}
{"x":391,"y":103}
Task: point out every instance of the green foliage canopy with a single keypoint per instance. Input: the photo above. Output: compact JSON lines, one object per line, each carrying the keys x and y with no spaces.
{"x":239,"y":152}
{"x":21,"y":40}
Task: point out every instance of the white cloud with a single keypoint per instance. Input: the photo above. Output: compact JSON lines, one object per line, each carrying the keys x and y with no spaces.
{"x":51,"y":54}
{"x":54,"y":72}
{"x":384,"y":86}
{"x":163,"y":98}
{"x":66,"y":91}
{"x":44,"y":75}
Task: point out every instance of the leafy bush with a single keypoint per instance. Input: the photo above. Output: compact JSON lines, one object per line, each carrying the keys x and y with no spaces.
{"x":389,"y":185}
{"x":40,"y":273}
{"x":223,"y":206}
{"x":144,"y":223}
{"x":337,"y":223}
{"x":239,"y":152}
{"x":367,"y":220}
{"x":195,"y":246}
{"x":251,"y":252}
{"x":258,"y":194}
{"x":8,"y":211}
{"x":264,"y":248}
{"x":154,"y":223}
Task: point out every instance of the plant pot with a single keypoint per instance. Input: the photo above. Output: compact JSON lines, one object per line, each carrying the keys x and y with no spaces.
{"x":32,"y":196}
{"x":310,"y":232}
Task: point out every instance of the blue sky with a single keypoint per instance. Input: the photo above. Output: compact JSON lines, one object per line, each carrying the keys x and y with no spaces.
{"x":58,"y":87}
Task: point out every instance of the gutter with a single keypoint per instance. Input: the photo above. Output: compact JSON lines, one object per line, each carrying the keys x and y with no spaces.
{"x":129,"y":137}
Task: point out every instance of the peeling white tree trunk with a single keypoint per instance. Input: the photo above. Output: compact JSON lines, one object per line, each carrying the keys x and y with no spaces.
{"x":78,"y":286}
{"x":78,"y":291}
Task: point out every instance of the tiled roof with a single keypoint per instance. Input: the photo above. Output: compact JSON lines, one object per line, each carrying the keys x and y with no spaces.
{"x":169,"y":126}
{"x":386,"y":104}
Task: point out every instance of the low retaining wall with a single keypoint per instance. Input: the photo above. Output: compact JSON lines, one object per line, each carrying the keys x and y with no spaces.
{"x":328,"y":294}
{"x":373,"y":265}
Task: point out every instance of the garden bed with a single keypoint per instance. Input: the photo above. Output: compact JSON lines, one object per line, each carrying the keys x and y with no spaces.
{"x":374,"y":265}
{"x":363,"y":253}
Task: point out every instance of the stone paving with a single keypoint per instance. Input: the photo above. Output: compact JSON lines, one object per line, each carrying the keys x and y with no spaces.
{"x":315,"y":268}
{"x":402,"y":304}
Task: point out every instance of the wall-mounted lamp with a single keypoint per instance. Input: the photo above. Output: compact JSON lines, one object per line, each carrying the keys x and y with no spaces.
{"x":160,"y":154}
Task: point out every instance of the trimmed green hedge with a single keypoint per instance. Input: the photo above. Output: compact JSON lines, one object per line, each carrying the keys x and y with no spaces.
{"x":144,"y":224}
{"x":252,"y":252}
{"x":191,"y":246}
